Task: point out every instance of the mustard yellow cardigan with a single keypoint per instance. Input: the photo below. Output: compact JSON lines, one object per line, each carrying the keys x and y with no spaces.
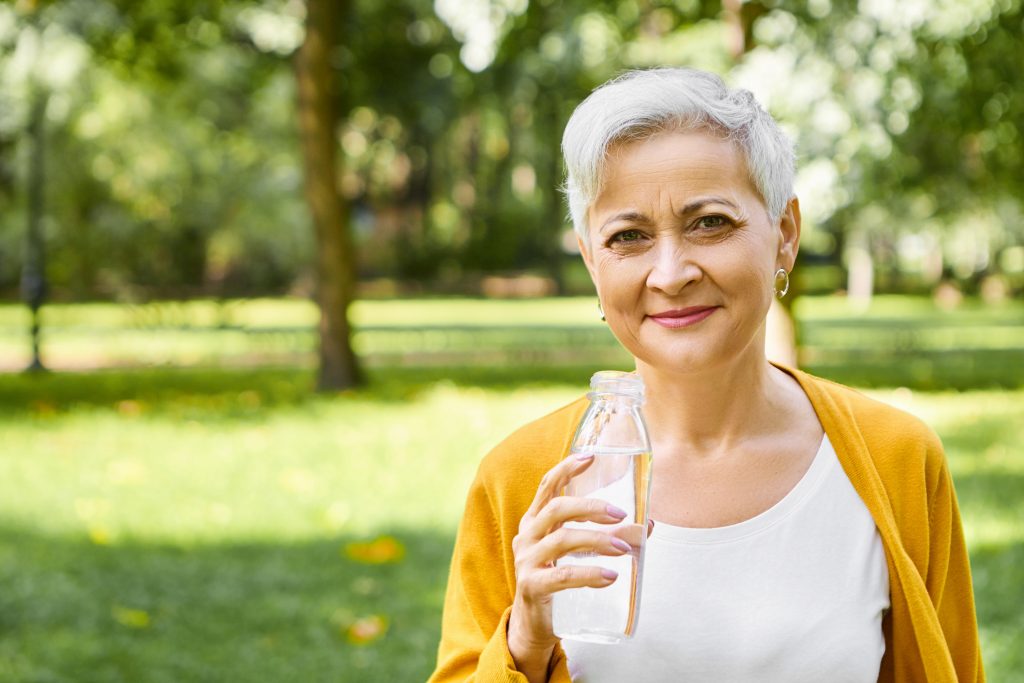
{"x":896,"y":464}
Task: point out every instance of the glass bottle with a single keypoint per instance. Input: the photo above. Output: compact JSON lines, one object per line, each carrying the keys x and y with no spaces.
{"x":613,"y":429}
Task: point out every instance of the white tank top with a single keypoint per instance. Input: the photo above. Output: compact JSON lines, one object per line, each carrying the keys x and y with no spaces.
{"x":793,"y":595}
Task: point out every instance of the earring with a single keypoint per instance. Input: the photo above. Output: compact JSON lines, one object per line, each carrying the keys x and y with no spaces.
{"x":781,"y":273}
{"x":600,"y":309}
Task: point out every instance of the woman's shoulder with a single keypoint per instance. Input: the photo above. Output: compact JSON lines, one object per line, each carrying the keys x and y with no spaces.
{"x":871,"y":415}
{"x":897,"y":441}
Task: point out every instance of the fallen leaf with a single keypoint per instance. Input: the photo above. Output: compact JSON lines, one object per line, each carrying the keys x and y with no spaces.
{"x":131,"y":618}
{"x":367,"y":629}
{"x":99,"y":535}
{"x":129,"y":408}
{"x":249,"y":399}
{"x":43,"y":408}
{"x":381,"y":550}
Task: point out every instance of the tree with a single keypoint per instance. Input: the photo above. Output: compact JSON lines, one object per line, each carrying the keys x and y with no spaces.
{"x":908,"y":127}
{"x":335,"y":263}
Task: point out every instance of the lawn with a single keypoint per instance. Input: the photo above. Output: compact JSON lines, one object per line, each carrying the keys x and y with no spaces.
{"x":898,"y":341}
{"x":229,"y":525}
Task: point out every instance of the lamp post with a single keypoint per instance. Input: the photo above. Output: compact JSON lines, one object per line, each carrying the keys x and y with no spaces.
{"x":33,"y":274}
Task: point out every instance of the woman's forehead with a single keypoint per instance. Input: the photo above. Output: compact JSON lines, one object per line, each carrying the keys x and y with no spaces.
{"x":669,"y":146}
{"x":681,"y":162}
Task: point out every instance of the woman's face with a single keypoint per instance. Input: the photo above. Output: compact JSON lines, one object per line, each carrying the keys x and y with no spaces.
{"x":683,"y":253}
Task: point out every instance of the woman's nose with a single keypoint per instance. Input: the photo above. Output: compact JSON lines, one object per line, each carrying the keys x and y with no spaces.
{"x":672,"y":270}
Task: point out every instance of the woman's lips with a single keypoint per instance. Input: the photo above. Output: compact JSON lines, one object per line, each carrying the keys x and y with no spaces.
{"x":683,"y":317}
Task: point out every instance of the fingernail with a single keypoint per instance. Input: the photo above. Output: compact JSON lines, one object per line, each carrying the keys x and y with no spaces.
{"x":620,"y":544}
{"x":609,"y":574}
{"x":584,"y":456}
{"x":615,"y":512}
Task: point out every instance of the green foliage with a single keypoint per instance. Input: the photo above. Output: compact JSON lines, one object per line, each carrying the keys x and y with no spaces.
{"x":171,"y":154}
{"x":908,"y":123}
{"x":187,"y":525}
{"x":173,"y":165}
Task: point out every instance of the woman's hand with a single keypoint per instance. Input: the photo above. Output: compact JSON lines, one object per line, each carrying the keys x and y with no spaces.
{"x":541,"y":540}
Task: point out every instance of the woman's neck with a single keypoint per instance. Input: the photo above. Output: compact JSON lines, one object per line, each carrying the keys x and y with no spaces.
{"x":714,"y":409}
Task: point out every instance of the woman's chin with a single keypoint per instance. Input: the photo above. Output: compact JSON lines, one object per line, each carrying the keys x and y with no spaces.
{"x":681,"y":358}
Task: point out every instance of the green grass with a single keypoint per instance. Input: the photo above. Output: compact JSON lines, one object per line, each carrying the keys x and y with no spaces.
{"x":282,"y":331}
{"x":898,"y":341}
{"x":195,"y":525}
{"x":300,"y":312}
{"x":910,"y":342}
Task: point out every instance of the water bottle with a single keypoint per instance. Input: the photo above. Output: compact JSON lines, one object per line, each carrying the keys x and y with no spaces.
{"x":613,"y":430}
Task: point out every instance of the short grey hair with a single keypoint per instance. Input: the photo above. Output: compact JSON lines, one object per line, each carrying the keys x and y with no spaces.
{"x":640,"y":104}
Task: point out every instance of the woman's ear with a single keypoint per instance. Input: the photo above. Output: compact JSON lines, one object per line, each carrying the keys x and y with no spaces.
{"x":789,"y":233}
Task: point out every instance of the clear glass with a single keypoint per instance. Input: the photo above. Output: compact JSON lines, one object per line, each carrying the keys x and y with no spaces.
{"x":613,"y":430}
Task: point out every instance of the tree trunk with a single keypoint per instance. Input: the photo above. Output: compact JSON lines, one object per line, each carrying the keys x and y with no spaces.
{"x":860,"y":279}
{"x":740,"y":16}
{"x":554,"y":209}
{"x":33,"y":275}
{"x":782,"y":332}
{"x":335,"y":264}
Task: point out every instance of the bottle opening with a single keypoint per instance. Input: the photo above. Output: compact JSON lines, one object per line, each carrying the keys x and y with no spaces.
{"x":616,"y":382}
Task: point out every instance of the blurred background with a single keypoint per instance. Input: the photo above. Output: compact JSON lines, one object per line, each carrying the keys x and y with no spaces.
{"x":274,"y":275}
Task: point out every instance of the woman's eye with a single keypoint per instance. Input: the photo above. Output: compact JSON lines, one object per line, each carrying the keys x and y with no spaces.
{"x":626,"y":236}
{"x":712,"y":222}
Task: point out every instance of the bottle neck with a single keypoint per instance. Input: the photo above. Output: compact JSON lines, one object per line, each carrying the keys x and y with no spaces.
{"x":631,"y":400}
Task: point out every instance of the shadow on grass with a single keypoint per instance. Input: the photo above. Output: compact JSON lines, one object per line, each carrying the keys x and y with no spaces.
{"x":924,"y":370}
{"x":990,"y":484}
{"x":243,"y":392}
{"x":976,"y":434}
{"x":234,"y":392}
{"x":997,"y":568}
{"x":998,"y":573}
{"x":74,"y":611}
{"x":992,"y":488}
{"x":995,"y":490}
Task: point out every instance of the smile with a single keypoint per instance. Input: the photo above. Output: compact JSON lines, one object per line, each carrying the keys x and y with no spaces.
{"x":683,"y":317}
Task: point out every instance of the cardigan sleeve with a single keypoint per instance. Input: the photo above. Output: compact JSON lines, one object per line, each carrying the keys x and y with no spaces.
{"x":948,"y":579}
{"x":481,"y":580}
{"x":478,"y":602}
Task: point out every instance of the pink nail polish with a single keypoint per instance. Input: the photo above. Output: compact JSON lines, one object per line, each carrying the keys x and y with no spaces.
{"x":609,"y":574}
{"x":620,"y":544}
{"x":615,"y":512}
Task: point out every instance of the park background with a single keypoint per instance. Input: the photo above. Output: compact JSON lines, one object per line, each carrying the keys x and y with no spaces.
{"x":295,"y":266}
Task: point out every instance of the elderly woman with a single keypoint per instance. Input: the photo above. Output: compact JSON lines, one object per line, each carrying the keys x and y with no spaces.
{"x":803,"y":532}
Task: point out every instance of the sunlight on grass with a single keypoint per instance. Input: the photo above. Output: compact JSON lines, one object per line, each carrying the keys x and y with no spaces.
{"x":274,"y":534}
{"x":191,"y":473}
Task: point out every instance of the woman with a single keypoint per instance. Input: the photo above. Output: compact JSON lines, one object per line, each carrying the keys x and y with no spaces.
{"x":803,"y":531}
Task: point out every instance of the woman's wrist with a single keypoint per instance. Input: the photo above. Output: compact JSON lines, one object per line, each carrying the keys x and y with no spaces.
{"x":530,"y":662}
{"x":531,"y":659}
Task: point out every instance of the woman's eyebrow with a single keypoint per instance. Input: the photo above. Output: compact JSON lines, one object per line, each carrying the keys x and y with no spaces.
{"x":695,"y":205}
{"x":698,"y":204}
{"x":629,"y":216}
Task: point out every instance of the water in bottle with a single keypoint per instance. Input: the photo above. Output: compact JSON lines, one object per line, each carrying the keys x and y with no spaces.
{"x":613,"y":430}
